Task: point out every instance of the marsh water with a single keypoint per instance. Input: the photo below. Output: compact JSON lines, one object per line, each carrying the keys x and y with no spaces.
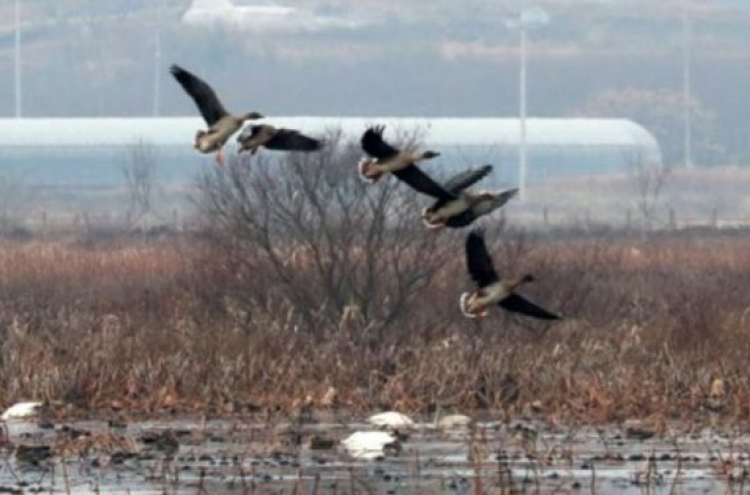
{"x":257,"y":455}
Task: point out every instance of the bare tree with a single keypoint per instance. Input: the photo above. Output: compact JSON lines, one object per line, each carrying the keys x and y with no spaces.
{"x":305,"y":230}
{"x":649,"y":179}
{"x":661,"y":111}
{"x":16,"y":200}
{"x":138,"y":168}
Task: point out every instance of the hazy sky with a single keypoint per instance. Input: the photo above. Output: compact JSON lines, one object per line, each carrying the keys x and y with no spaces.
{"x":422,"y":57}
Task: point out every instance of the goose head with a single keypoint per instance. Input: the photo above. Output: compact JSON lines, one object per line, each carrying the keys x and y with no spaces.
{"x":251,"y":116}
{"x":525,"y":279}
{"x":428,"y":155}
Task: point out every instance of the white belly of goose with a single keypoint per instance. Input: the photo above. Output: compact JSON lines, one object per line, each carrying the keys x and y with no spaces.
{"x":208,"y":143}
{"x":394,"y":164}
{"x":451,"y":209}
{"x":472,"y":304}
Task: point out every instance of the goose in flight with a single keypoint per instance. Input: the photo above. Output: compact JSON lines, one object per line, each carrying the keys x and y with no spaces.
{"x":221,"y":124}
{"x":458,"y":207}
{"x":491,"y":289}
{"x":255,"y":136}
{"x":384,"y":158}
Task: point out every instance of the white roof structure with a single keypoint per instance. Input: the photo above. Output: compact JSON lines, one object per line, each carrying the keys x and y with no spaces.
{"x":179,"y":131}
{"x":261,"y":17}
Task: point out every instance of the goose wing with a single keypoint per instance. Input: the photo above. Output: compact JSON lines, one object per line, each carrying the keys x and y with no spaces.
{"x":292,"y":140}
{"x":466,"y":179}
{"x":421,"y":182}
{"x":202,"y":94}
{"x":374,"y":145}
{"x":519,"y":304}
{"x":478,"y":260}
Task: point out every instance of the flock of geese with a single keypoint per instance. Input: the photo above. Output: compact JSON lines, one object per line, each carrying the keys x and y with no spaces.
{"x":454,"y":205}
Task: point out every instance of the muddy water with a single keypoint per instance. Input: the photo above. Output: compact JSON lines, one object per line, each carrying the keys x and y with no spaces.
{"x":253,"y":456}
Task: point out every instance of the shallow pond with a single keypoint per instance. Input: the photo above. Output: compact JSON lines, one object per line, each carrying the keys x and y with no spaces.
{"x":255,"y":456}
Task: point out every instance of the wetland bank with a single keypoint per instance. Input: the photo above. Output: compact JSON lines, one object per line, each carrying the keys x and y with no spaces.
{"x":257,"y":454}
{"x":233,"y":332}
{"x":167,"y":372}
{"x":252,"y":327}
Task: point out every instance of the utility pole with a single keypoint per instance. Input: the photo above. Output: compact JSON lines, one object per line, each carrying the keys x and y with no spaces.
{"x":157,"y":62}
{"x":527,"y":19}
{"x":686,"y":89}
{"x":523,"y":148}
{"x":17,"y":60}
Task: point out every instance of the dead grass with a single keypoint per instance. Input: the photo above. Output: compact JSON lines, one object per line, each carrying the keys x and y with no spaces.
{"x":173,"y":326}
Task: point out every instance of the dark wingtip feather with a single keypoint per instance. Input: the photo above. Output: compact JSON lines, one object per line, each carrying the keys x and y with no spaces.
{"x":315,"y":144}
{"x":175,"y":70}
{"x":477,"y":233}
{"x":475,"y":238}
{"x":485,"y":170}
{"x":369,"y":133}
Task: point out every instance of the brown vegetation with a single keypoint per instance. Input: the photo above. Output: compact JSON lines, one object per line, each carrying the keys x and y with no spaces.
{"x":164,"y":326}
{"x":306,"y":287}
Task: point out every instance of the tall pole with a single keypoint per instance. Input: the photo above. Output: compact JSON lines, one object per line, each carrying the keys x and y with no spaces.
{"x":686,"y":90}
{"x":17,"y":61}
{"x":522,"y":151}
{"x":157,"y":62}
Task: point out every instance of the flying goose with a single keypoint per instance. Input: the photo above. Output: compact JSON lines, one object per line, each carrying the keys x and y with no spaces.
{"x":384,"y":158}
{"x":491,"y":288}
{"x":458,"y":207}
{"x":221,"y":124}
{"x":254,"y":136}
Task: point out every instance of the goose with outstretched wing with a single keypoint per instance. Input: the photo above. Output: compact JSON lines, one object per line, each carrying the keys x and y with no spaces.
{"x":255,"y":136}
{"x":466,"y":206}
{"x":491,"y":289}
{"x":221,"y":124}
{"x":385,"y":158}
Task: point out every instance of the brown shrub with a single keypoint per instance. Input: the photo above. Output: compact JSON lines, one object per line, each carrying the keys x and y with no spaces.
{"x":151,"y":326}
{"x":304,"y":279}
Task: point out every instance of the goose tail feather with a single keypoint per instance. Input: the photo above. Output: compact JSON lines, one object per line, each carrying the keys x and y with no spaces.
{"x":463,"y":304}
{"x":362,"y":168}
